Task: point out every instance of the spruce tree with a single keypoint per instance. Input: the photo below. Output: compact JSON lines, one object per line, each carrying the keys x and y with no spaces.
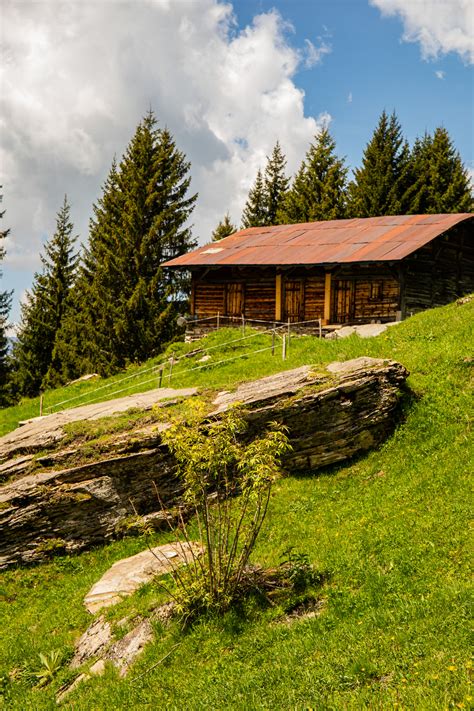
{"x":5,"y":303}
{"x":128,"y":303}
{"x":267,"y":194}
{"x":43,"y":312}
{"x":318,"y":191}
{"x":254,"y":214}
{"x":440,"y":181}
{"x":225,"y":228}
{"x":275,"y":185}
{"x":380,"y":185}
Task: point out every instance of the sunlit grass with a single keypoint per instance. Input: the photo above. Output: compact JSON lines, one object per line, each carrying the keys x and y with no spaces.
{"x":389,"y":530}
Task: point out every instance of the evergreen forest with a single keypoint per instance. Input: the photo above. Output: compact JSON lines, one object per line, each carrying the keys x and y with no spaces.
{"x":108,"y":304}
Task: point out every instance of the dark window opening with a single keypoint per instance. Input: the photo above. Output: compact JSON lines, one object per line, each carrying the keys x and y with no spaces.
{"x":376,"y":291}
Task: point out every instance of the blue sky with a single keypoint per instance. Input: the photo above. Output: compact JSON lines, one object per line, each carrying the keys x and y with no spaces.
{"x":228,"y":79}
{"x":370,"y":63}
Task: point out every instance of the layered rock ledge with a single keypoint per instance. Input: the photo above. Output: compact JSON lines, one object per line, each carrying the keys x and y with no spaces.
{"x":48,"y":506}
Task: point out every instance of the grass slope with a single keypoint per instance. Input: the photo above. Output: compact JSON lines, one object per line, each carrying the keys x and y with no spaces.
{"x":390,"y":530}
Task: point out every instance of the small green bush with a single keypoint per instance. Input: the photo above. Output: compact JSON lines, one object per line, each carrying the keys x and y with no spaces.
{"x":227,"y":484}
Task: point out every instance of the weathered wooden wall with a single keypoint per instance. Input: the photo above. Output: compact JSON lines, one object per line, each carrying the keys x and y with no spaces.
{"x":364,"y":293}
{"x":218,"y":291}
{"x":440,"y":272}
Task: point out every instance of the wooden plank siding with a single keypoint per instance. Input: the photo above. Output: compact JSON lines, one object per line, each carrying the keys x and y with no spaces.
{"x":232,"y":292}
{"x":260,"y":297}
{"x":209,"y":299}
{"x":364,"y":293}
{"x":314,"y":297}
{"x":440,"y":272}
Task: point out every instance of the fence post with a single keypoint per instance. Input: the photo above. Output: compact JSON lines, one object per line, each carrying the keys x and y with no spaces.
{"x":320,"y":328}
{"x":273,"y":340}
{"x":218,"y":315}
{"x":283,"y":354}
{"x":243,"y":325}
{"x":41,"y":404}
{"x":288,"y":331}
{"x":170,"y":371}
{"x":160,"y":376}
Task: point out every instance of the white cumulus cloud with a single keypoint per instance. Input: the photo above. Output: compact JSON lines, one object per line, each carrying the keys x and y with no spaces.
{"x":440,"y":26}
{"x":76,"y":78}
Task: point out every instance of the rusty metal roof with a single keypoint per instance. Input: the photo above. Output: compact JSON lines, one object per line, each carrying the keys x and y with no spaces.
{"x":363,"y":239}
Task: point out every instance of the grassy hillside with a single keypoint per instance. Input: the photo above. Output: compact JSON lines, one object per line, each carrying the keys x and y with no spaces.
{"x":390,"y":532}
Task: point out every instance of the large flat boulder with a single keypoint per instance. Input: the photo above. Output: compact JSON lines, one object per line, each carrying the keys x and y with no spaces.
{"x":331,"y":414}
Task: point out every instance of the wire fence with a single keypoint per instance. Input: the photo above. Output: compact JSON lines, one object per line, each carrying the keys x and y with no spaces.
{"x":279,"y":330}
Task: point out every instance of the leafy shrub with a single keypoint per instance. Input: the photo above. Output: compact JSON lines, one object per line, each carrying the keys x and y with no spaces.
{"x":227,"y":484}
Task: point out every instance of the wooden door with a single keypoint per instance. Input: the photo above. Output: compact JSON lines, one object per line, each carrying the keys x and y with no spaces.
{"x":344,"y":302}
{"x":234,"y":299}
{"x":294,"y":300}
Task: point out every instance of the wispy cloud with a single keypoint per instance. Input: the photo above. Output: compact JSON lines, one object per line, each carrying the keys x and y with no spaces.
{"x":440,"y":74}
{"x":314,"y":54}
{"x":349,"y":98}
{"x":440,"y":26}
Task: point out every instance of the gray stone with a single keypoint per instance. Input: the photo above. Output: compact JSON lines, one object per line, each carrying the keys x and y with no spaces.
{"x":94,"y":641}
{"x":127,"y":575}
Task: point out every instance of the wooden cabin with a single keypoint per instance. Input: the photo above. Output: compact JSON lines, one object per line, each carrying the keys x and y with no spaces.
{"x":340,"y":271}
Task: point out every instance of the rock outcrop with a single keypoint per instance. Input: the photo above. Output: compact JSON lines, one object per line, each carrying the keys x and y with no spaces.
{"x":127,"y":575}
{"x":54,"y":504}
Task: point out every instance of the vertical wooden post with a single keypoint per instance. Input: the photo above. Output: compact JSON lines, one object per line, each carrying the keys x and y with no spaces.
{"x":171,"y":370}
{"x":193,"y":296}
{"x":273,"y":340}
{"x":288,"y":331}
{"x":160,"y":376}
{"x":243,"y":324}
{"x":41,"y":404}
{"x":320,"y":328}
{"x":327,"y":298}
{"x":218,"y":317}
{"x":283,"y":353}
{"x":278,"y":297}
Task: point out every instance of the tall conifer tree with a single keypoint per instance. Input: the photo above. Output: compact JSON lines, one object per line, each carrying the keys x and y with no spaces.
{"x":5,"y":302}
{"x":275,"y":185}
{"x":254,"y":209}
{"x":44,"y":309}
{"x":440,"y":181}
{"x":318,"y":191}
{"x":128,"y":303}
{"x":267,"y":194}
{"x":380,"y":185}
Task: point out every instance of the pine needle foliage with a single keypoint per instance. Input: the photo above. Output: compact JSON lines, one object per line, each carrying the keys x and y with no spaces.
{"x":225,"y":228}
{"x":126,"y":305}
{"x":275,"y":185}
{"x":318,"y":191}
{"x":254,"y":214}
{"x":5,"y":303}
{"x":267,"y":195}
{"x":440,"y":180}
{"x":44,"y":310}
{"x":380,"y":185}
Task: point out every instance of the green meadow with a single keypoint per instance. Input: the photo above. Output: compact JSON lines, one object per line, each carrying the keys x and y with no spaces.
{"x":389,"y":533}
